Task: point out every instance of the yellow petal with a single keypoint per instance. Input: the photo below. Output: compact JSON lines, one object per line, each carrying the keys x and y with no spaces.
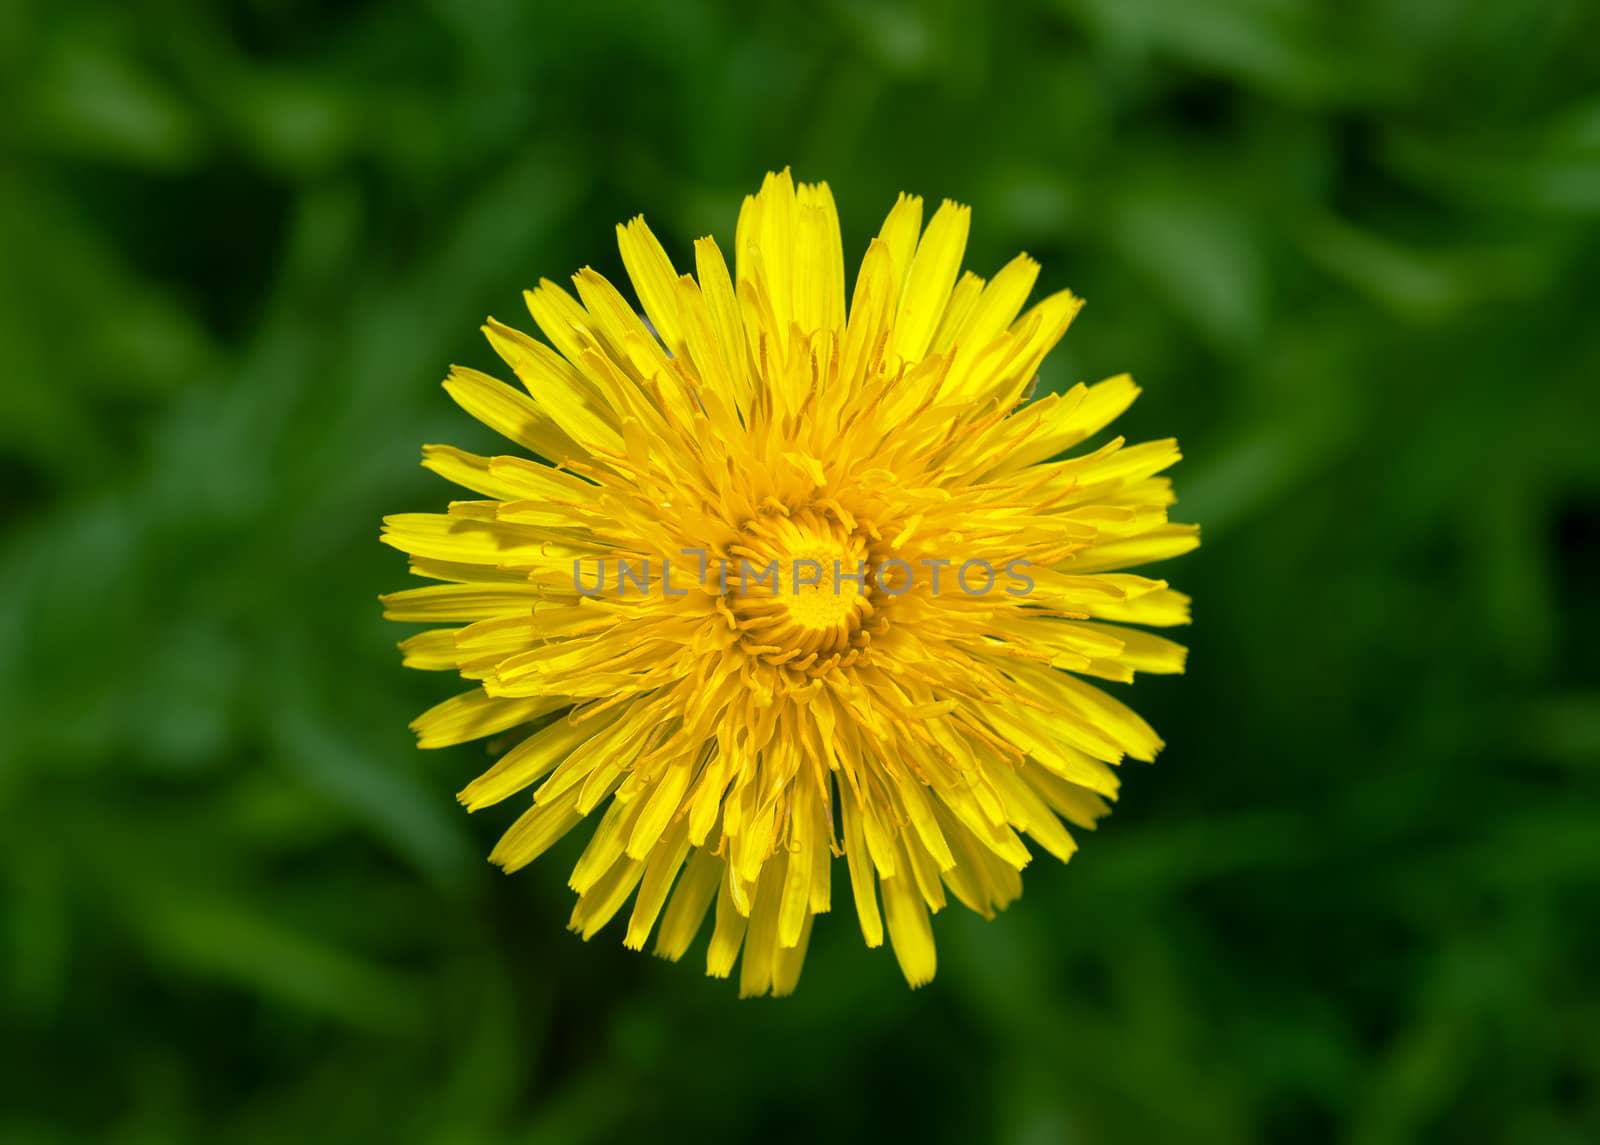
{"x":560,"y":393}
{"x":819,"y":261}
{"x":929,"y":281}
{"x":508,"y":413}
{"x":654,"y":280}
{"x":473,"y":715}
{"x":535,"y":832}
{"x":728,"y":934}
{"x":863,"y":884}
{"x":691,"y":898}
{"x":899,"y":237}
{"x":910,"y":933}
{"x":524,"y":764}
{"x":659,"y":871}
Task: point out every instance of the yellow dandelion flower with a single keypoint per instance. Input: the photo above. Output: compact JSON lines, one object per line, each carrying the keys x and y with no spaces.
{"x":782,"y":577}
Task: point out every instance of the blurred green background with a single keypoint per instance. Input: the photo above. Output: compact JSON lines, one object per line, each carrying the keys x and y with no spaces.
{"x":1349,"y":250}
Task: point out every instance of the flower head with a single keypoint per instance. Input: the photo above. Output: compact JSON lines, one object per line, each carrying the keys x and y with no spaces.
{"x":778,"y":578}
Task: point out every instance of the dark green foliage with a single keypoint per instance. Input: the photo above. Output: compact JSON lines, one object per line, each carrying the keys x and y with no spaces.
{"x":1349,"y":250}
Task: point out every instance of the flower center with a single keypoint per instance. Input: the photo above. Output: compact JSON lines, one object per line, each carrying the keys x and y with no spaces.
{"x":798,"y":587}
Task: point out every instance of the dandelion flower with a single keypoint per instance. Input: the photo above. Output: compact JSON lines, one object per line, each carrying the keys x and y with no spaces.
{"x":903,"y":681}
